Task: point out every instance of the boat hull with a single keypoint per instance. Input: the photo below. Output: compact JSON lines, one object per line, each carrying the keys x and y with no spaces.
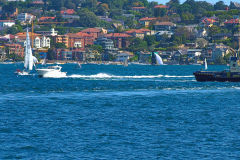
{"x":50,"y":73}
{"x":224,"y":76}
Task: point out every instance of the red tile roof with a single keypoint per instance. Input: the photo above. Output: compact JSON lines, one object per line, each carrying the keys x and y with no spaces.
{"x":68,"y":11}
{"x":232,"y":21}
{"x":165,"y":24}
{"x":118,"y":35}
{"x":13,"y":45}
{"x":7,"y":21}
{"x":160,"y":6}
{"x":137,"y":31}
{"x":46,"y":18}
{"x":91,"y":30}
{"x":144,"y":30}
{"x":208,"y":20}
{"x":138,"y":7}
{"x":79,"y":35}
{"x":38,"y":2}
{"x":82,"y":34}
{"x":147,"y":19}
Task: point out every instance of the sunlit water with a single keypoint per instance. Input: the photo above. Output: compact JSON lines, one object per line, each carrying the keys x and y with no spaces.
{"x":117,"y":112}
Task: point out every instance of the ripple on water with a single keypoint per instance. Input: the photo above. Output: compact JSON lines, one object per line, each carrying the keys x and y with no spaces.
{"x":115,"y":112}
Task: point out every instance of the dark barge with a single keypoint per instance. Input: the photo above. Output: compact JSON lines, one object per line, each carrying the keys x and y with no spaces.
{"x":231,"y":75}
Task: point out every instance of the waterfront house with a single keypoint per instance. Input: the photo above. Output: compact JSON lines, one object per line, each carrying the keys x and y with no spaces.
{"x":163,"y":34}
{"x":75,"y":40}
{"x":164,"y":26}
{"x":219,"y":50}
{"x":14,"y":48}
{"x":6,"y":23}
{"x":146,"y":21}
{"x":63,"y":54}
{"x":139,"y":33}
{"x":95,"y":32}
{"x":194,"y":54}
{"x":144,"y":57}
{"x":121,"y":40}
{"x":39,"y":41}
{"x":79,"y":55}
{"x":25,"y":17}
{"x":107,"y":44}
{"x":123,"y":56}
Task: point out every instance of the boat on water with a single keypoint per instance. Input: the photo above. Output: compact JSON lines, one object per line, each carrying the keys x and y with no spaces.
{"x":230,"y":75}
{"x":51,"y":71}
{"x":156,"y":59}
{"x":29,"y":59}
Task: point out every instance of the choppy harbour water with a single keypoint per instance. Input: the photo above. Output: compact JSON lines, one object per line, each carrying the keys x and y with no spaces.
{"x":117,"y":112}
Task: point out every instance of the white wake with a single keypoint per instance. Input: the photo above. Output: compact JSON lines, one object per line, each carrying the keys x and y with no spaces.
{"x":108,"y":76}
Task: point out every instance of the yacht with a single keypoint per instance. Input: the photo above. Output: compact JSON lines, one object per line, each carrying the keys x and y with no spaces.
{"x":51,"y":71}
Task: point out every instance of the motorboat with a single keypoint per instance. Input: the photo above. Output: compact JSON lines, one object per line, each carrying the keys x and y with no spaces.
{"x":51,"y":71}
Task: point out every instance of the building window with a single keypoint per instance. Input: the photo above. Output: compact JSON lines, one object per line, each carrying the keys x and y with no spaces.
{"x":77,"y":44}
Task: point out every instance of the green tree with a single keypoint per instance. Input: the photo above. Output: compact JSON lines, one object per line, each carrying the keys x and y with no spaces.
{"x":220,"y":5}
{"x":137,"y":44}
{"x":151,"y":40}
{"x":87,"y":19}
{"x":60,"y":45}
{"x":160,"y":12}
{"x":50,"y":54}
{"x":97,"y":48}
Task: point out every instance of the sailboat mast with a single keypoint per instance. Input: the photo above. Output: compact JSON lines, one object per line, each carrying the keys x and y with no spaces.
{"x":32,"y":33}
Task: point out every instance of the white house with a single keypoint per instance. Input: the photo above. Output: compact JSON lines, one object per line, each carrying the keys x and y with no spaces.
{"x":42,"y":42}
{"x":25,"y":17}
{"x":7,"y":23}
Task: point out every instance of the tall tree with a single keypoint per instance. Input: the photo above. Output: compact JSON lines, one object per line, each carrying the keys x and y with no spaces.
{"x":220,"y":5}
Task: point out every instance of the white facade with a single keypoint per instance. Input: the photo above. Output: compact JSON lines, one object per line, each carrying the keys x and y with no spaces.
{"x":78,"y":44}
{"x":25,"y":17}
{"x":42,"y":42}
{"x":7,"y":23}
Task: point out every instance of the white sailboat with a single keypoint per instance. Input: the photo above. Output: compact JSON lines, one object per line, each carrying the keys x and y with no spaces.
{"x":205,"y":63}
{"x":29,"y":59}
{"x":125,"y":63}
{"x":159,"y":60}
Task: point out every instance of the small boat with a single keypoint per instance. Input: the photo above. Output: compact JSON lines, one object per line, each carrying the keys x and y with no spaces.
{"x":51,"y":71}
{"x":29,"y":59}
{"x":125,"y":63}
{"x":156,"y":59}
{"x":231,"y":75}
{"x":205,"y":64}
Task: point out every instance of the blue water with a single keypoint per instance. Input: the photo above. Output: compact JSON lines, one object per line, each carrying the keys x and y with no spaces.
{"x":117,"y":112}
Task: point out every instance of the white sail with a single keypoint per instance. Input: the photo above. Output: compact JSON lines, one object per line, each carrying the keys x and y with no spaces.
{"x":44,"y":61}
{"x":35,"y":60}
{"x":28,"y":60}
{"x":205,"y":63}
{"x":158,"y":59}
